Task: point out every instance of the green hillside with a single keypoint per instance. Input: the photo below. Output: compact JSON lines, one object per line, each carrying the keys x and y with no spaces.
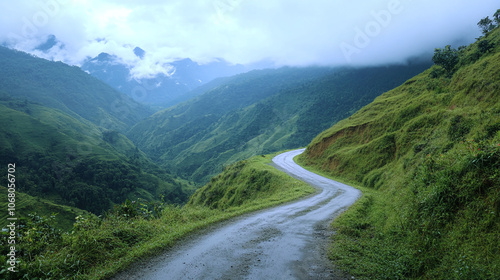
{"x":429,"y":154}
{"x":76,"y":163}
{"x":249,"y":183}
{"x":26,"y":204}
{"x":69,"y":89}
{"x":257,"y":113}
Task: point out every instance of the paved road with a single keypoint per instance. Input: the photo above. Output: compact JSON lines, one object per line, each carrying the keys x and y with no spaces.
{"x":285,"y":242}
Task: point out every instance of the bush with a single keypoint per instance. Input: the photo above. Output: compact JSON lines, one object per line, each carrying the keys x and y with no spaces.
{"x":140,"y":208}
{"x":485,"y":46}
{"x":35,"y":234}
{"x":459,"y":186}
{"x":437,"y":72}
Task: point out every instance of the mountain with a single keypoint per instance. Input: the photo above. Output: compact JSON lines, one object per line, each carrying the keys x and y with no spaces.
{"x":429,"y":154}
{"x":75,"y":163}
{"x":262,"y":111}
{"x":61,"y":127}
{"x":162,"y":90}
{"x":49,"y":44}
{"x":67,"y":88}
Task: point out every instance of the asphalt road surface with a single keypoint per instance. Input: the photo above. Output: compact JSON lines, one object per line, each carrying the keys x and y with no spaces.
{"x":284,"y":242}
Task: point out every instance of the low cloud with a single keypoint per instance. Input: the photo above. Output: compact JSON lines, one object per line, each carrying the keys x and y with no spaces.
{"x":285,"y":32}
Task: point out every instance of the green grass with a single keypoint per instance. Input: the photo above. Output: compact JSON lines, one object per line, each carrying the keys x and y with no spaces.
{"x":97,"y":248}
{"x":428,"y":156}
{"x":26,"y":204}
{"x":249,"y":184}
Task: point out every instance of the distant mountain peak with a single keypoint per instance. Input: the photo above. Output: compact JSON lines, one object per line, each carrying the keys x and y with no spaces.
{"x":161,"y":90}
{"x":139,"y":52}
{"x":48,"y":44}
{"x":103,"y":57}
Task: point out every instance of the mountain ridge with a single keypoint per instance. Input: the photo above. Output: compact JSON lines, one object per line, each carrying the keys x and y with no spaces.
{"x":259,"y":112}
{"x":164,"y":89}
{"x":67,"y":88}
{"x":71,"y":150}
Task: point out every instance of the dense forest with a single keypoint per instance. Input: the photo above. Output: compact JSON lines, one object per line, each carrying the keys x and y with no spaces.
{"x":83,"y":169}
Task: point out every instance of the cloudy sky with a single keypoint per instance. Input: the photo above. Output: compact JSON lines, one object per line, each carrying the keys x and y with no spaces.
{"x":283,"y":32}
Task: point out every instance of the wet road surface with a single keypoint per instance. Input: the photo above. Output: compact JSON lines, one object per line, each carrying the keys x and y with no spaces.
{"x":285,"y":242}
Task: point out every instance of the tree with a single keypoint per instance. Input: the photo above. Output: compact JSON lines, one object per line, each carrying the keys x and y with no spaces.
{"x":446,"y":58}
{"x":496,"y":17}
{"x":486,"y":24}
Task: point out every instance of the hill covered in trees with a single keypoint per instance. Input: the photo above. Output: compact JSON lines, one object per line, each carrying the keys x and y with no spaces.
{"x":60,"y":126}
{"x":259,"y":112}
{"x":67,"y":88}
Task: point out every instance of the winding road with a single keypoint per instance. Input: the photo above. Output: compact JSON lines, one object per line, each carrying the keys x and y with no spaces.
{"x":284,"y":242}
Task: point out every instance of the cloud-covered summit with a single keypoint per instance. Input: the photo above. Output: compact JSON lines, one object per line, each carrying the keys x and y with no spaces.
{"x":284,"y":32}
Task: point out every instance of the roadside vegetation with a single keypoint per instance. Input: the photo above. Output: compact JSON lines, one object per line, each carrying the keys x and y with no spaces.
{"x":96,"y":247}
{"x":427,"y":155}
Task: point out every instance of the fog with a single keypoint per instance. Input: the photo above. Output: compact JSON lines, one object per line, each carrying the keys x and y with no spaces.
{"x":281,"y":32}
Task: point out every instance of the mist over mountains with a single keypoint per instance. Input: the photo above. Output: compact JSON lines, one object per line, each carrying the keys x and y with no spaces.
{"x":162,"y":90}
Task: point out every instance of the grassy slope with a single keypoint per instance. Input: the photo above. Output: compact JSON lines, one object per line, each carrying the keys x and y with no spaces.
{"x":98,"y":248}
{"x":252,"y":115}
{"x":248,"y":184}
{"x":429,"y":152}
{"x":67,"y":88}
{"x":26,"y":204}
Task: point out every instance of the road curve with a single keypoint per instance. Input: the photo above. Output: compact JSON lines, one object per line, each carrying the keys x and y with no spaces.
{"x":285,"y":242}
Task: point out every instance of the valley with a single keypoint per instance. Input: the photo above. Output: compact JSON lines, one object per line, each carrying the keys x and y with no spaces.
{"x":260,"y":112}
{"x":373,"y":171}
